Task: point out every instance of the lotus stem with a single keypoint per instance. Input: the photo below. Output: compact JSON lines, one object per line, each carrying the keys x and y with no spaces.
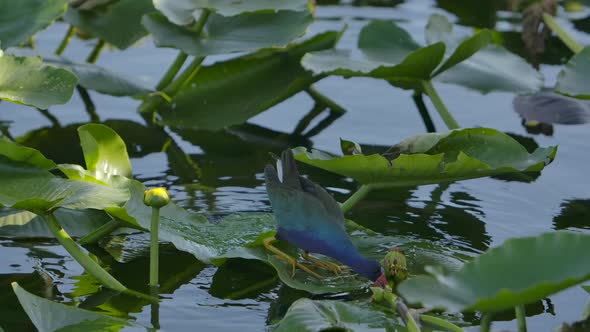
{"x":93,"y":56}
{"x":104,"y":230}
{"x":172,"y":71}
{"x":520,"y":317}
{"x":156,"y":198}
{"x":406,"y":315}
{"x":419,"y":101}
{"x":435,"y":321}
{"x":325,"y":100}
{"x":356,"y":197}
{"x":440,"y":106}
{"x":570,"y":42}
{"x":88,"y":104}
{"x":486,"y":322}
{"x":65,"y":41}
{"x":80,"y":256}
{"x":155,"y":309}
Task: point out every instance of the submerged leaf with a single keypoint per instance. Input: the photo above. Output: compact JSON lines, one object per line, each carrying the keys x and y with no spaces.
{"x":550,"y":107}
{"x":308,"y":315}
{"x":458,"y":155}
{"x":23,"y":18}
{"x":482,"y":284}
{"x":47,"y":315}
{"x":26,"y":80}
{"x":222,"y":35}
{"x":118,"y":23}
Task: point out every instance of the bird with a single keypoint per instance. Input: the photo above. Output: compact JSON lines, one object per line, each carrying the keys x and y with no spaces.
{"x":309,"y":218}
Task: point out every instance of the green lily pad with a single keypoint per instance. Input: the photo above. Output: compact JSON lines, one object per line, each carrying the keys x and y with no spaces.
{"x":308,"y":315}
{"x":389,"y":53}
{"x":104,"y":150}
{"x":26,"y":80}
{"x":572,"y":78}
{"x":242,"y":33}
{"x":221,"y":94}
{"x":482,"y":284}
{"x":433,"y":158}
{"x":183,"y":12}
{"x":25,"y":154}
{"x":27,"y":187}
{"x":99,"y":79}
{"x":24,"y":224}
{"x":21,"y":19}
{"x":118,"y":22}
{"x":47,"y":315}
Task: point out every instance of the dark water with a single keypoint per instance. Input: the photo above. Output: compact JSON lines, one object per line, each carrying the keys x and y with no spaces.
{"x":467,"y":217}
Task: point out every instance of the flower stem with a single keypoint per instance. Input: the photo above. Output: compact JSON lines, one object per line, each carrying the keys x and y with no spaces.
{"x":520,"y":317}
{"x":486,"y":322}
{"x":423,"y":110}
{"x":80,"y":256}
{"x":355,"y":198}
{"x":570,"y":42}
{"x":104,"y":230}
{"x":440,"y":106}
{"x":93,"y":56}
{"x":154,"y":247}
{"x":65,"y":41}
{"x":435,"y":321}
{"x":172,"y":71}
{"x":325,"y":100}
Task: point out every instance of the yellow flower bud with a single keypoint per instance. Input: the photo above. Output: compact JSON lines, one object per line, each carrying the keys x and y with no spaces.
{"x":157,"y":197}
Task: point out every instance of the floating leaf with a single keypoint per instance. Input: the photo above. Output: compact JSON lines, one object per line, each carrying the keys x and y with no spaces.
{"x":308,"y":315}
{"x":572,"y":79}
{"x":183,"y":12}
{"x":47,"y":315}
{"x":25,"y":80}
{"x":221,"y":94}
{"x":389,"y":53}
{"x":118,"y":23}
{"x":458,"y":155}
{"x":104,"y":150}
{"x":242,"y":33}
{"x":99,"y":79}
{"x":21,"y":19}
{"x":25,"y":224}
{"x":24,"y":154}
{"x":550,"y":107}
{"x":482,"y":284}
{"x":27,"y":187}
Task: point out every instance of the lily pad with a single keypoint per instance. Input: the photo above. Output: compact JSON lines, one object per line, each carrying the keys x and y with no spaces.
{"x":24,"y":154}
{"x":25,"y":224}
{"x":434,"y":158}
{"x":309,"y":315}
{"x":572,"y":79}
{"x":387,"y":52}
{"x":21,"y":19}
{"x":26,"y":80}
{"x":27,"y":187}
{"x":99,"y":79}
{"x":104,"y":150}
{"x":118,"y":22}
{"x":481,"y":284}
{"x":47,"y":315}
{"x":221,"y":94}
{"x":183,"y":12}
{"x":222,"y":35}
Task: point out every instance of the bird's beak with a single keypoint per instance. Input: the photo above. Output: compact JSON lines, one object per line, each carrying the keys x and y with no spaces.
{"x":381,"y":281}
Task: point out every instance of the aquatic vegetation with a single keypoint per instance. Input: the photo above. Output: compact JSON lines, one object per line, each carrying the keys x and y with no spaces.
{"x":266,"y":52}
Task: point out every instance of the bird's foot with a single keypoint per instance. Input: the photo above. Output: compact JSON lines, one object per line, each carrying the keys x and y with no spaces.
{"x":322,"y":264}
{"x":286,"y":257}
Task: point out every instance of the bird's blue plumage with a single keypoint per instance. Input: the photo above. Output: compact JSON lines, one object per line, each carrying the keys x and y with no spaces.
{"x":309,"y":218}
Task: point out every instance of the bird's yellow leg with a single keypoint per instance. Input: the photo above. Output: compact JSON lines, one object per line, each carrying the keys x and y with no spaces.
{"x":337,"y":269}
{"x":284,"y":256}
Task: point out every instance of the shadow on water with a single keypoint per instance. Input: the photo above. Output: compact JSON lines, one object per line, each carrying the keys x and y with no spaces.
{"x":574,"y":213}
